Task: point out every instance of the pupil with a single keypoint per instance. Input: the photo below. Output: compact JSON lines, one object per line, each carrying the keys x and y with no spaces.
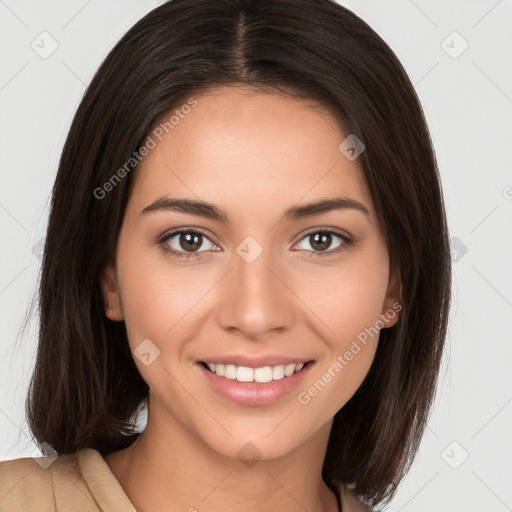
{"x":321,"y":240}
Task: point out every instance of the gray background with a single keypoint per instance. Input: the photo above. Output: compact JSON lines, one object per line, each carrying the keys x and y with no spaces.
{"x":465,"y":461}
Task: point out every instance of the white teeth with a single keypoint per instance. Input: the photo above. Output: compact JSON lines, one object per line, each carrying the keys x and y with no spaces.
{"x":278,"y":372}
{"x":244,"y":374}
{"x":230,"y":371}
{"x":289,"y":369}
{"x":263,"y":374}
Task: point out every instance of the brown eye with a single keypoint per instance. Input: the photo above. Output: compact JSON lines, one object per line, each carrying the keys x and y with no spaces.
{"x":325,"y":241}
{"x":186,"y":243}
{"x":190,"y":242}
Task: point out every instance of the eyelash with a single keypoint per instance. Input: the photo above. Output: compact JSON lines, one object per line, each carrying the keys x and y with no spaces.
{"x":347,"y":242}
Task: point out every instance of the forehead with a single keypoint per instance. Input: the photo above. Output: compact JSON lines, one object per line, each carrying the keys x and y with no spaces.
{"x":252,"y":149}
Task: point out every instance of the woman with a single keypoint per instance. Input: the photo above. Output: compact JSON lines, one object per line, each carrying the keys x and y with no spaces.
{"x":247,"y":236}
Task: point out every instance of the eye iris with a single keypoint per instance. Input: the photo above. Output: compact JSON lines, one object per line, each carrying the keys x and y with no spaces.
{"x":192,"y":241}
{"x":321,"y":241}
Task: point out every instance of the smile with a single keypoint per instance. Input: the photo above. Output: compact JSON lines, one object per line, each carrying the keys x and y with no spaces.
{"x":246,"y":374}
{"x":258,"y":386}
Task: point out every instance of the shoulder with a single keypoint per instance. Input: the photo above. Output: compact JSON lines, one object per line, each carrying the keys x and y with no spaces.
{"x":25,"y":485}
{"x":34,"y":484}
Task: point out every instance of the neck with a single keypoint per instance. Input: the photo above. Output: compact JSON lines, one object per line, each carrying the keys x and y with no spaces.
{"x":168,"y":468}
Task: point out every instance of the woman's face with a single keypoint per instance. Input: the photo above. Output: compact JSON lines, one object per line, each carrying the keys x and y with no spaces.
{"x":249,"y":284}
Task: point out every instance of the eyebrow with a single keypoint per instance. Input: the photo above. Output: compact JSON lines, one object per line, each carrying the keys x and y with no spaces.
{"x":210,"y":211}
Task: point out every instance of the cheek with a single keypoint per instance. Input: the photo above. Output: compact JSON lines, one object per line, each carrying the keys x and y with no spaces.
{"x":348,"y":298}
{"x":351,"y":342}
{"x":333,"y":384}
{"x":161,"y":298}
{"x":146,"y":291}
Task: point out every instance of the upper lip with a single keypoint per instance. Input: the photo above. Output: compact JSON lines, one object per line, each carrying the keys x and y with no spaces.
{"x":255,"y":361}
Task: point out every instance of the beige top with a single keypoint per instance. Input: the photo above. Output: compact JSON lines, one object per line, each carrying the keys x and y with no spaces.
{"x":78,"y":482}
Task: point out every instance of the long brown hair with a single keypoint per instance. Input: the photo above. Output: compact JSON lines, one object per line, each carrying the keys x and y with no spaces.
{"x":85,"y":388}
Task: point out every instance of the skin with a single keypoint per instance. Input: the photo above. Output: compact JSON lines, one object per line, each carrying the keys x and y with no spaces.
{"x":254,"y":155}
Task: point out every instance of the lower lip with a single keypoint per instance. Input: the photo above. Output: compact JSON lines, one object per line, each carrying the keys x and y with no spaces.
{"x":254,"y":393}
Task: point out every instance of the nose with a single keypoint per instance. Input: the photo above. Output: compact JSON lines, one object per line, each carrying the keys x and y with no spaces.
{"x":256,"y":299}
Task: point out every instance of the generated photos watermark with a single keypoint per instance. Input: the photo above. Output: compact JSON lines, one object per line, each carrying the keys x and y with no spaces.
{"x":305,"y":397}
{"x":151,"y":143}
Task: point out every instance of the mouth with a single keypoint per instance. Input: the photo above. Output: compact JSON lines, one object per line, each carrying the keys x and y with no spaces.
{"x":253,"y":386}
{"x":262,"y":374}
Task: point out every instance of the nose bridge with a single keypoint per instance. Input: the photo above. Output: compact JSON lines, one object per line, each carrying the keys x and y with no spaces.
{"x":255,"y":300}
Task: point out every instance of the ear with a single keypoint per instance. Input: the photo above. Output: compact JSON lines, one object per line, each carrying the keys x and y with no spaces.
{"x":393,"y":302}
{"x":110,"y":292}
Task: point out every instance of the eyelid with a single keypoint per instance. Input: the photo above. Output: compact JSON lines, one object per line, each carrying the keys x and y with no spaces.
{"x":337,"y":231}
{"x":165,"y":237}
